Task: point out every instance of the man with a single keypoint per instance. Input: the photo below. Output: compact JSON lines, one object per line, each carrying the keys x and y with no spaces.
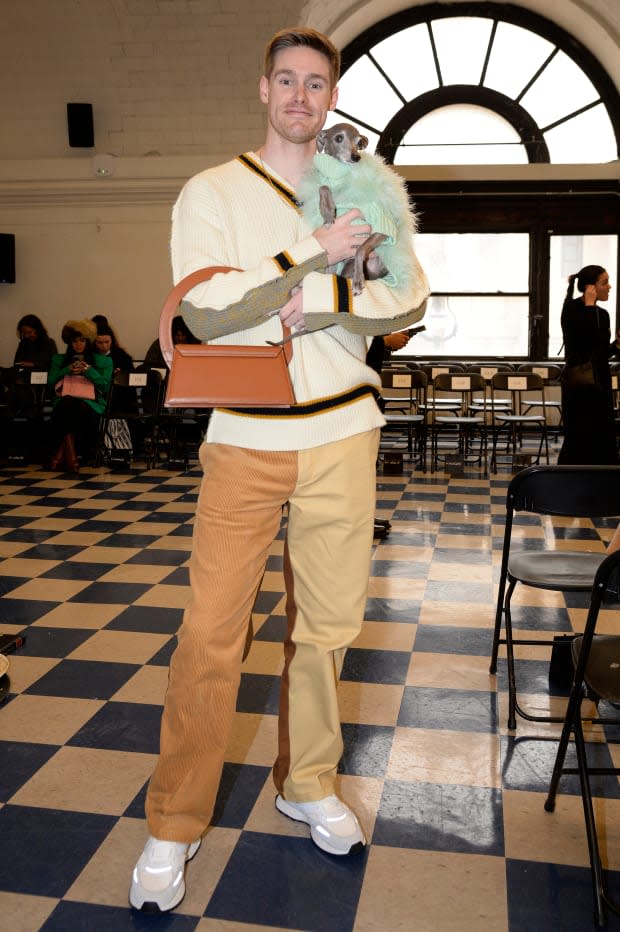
{"x":318,"y":456}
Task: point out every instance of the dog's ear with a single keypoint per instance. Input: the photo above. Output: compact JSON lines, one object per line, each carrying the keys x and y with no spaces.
{"x":362,"y":143}
{"x":321,"y":140}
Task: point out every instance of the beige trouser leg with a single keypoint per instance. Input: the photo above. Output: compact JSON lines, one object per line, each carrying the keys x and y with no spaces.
{"x":332,"y":495}
{"x":238,"y":515}
{"x":327,"y":563}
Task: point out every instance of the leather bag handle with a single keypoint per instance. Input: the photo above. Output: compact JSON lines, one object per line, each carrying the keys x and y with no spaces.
{"x":174,"y":298}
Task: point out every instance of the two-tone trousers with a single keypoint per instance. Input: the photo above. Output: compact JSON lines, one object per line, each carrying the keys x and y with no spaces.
{"x":331,"y":492}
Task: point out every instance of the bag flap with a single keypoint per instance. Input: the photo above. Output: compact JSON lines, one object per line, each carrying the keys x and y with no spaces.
{"x":221,"y":349}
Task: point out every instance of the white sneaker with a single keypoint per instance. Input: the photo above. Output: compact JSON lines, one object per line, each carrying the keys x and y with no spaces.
{"x":158,"y":881}
{"x":333,"y":826}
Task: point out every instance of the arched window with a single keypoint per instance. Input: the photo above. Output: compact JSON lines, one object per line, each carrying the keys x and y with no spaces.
{"x":481,"y":84}
{"x":478,"y":83}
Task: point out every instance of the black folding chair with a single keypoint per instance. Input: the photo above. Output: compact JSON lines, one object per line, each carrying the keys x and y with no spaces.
{"x":569,"y":491}
{"x":135,"y":399}
{"x":405,"y":412}
{"x":460,"y":426}
{"x":527,"y":391}
{"x":596,"y":677}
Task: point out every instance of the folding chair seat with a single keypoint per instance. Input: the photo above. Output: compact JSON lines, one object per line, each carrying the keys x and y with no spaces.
{"x":561,"y":491}
{"x":524,"y":389}
{"x":459,"y":426}
{"x":596,"y":677}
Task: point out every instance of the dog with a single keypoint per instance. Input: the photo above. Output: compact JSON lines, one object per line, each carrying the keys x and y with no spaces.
{"x":344,"y":142}
{"x":353,"y":179}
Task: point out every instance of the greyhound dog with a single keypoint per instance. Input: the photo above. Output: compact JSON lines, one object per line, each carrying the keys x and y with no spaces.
{"x":344,"y":142}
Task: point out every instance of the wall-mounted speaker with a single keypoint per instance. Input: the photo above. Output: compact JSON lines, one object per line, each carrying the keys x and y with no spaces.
{"x":7,"y":258}
{"x":80,"y":125}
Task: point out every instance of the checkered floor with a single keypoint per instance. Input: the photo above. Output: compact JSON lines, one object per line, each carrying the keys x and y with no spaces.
{"x":94,"y":571}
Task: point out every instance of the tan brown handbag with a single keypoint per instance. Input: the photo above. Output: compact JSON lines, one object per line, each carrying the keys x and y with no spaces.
{"x":219,"y":375}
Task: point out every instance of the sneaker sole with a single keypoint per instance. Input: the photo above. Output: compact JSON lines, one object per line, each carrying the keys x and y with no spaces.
{"x":151,"y":906}
{"x":292,"y":813}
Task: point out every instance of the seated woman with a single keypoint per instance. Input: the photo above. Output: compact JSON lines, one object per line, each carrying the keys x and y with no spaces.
{"x":34,"y":353}
{"x":180,"y":334}
{"x":35,"y":348}
{"x":107,"y":345}
{"x":77,"y":414}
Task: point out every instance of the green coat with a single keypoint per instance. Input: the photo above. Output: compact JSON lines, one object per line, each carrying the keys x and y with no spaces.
{"x":99,"y":372}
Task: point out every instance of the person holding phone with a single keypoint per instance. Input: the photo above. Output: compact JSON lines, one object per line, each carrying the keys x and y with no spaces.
{"x":72,"y":415}
{"x":587,"y":402}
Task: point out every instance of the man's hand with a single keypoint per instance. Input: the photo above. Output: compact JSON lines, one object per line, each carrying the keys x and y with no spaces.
{"x":396,"y":341}
{"x":341,"y":238}
{"x":292,"y":313}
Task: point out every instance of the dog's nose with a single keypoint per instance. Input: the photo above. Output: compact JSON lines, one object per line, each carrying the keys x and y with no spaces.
{"x":355,"y":156}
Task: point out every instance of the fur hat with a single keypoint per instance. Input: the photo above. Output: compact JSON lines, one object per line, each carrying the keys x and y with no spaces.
{"x":85,"y":328}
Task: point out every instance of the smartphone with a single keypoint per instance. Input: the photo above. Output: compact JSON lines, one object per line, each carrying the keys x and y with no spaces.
{"x":11,"y":642}
{"x":415,"y":330}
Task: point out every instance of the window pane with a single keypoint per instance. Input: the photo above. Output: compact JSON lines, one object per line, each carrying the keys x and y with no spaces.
{"x":515,"y":58}
{"x":586,"y":138}
{"x":568,"y":255}
{"x":561,"y":89}
{"x":457,"y":327}
{"x":484,"y":262}
{"x":461,"y":134}
{"x":461,"y":44}
{"x":407,"y":58}
{"x":364,"y":91}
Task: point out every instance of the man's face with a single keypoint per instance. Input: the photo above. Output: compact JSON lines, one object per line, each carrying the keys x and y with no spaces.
{"x":103,"y":344}
{"x":298,"y":94}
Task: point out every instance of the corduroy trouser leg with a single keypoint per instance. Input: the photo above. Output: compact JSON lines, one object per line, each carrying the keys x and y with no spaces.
{"x":326,"y":568}
{"x":238,"y":515}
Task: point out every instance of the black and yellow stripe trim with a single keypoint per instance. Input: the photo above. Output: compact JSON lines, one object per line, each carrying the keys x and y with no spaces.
{"x":283,"y":261}
{"x":286,"y":193}
{"x":343,"y":295}
{"x":310,"y":408}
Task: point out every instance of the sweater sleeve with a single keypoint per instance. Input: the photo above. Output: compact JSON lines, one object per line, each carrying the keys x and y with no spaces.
{"x":56,"y":369}
{"x":100,"y":372}
{"x":328,"y":300}
{"x":201,"y":238}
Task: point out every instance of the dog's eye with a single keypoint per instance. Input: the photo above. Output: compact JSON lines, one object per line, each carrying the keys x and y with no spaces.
{"x":339,"y":138}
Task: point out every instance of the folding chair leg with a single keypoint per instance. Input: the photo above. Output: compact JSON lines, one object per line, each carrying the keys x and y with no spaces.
{"x":498,"y":628}
{"x":588,"y":812}
{"x":510,"y":659}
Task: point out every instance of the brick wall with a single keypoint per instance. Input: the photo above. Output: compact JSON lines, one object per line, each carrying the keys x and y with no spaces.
{"x":167,"y":76}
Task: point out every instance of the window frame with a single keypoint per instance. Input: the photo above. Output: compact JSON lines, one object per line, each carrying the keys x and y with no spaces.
{"x":499,"y":12}
{"x":540,"y":208}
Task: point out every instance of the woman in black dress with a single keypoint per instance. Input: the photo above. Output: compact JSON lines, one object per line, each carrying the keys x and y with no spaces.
{"x":587,"y":403}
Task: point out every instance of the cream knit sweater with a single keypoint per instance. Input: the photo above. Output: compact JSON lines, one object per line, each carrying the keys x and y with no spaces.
{"x":242,"y":215}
